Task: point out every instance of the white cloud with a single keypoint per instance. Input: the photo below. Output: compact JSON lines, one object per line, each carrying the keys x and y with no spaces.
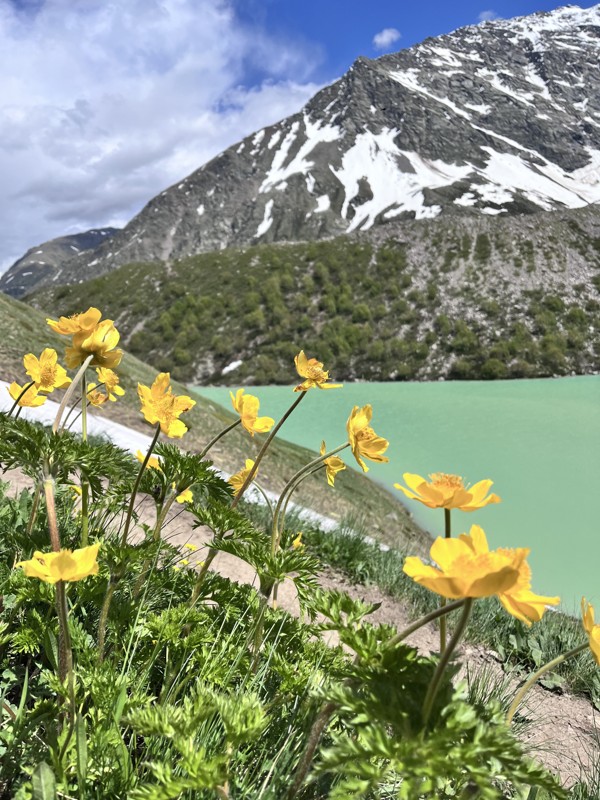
{"x":487,"y":16}
{"x":103,"y":105}
{"x":386,"y":38}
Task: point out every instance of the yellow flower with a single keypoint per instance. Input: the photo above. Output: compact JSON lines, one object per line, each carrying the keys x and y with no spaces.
{"x":238,"y":480}
{"x":66,"y":565}
{"x":312,"y":371}
{"x":521,"y":602}
{"x":153,"y":462}
{"x":592,"y":630}
{"x":184,"y":497}
{"x":191,"y":547}
{"x":184,"y":562}
{"x":363,"y":439}
{"x":333,"y":465}
{"x":78,"y":323}
{"x":94,"y":396}
{"x":448,"y":491}
{"x":467,"y":567}
{"x":30,"y":399}
{"x":297,"y":543}
{"x":247,"y":407}
{"x":100,"y":342}
{"x":160,"y":405}
{"x":110,"y":380}
{"x":46,"y":371}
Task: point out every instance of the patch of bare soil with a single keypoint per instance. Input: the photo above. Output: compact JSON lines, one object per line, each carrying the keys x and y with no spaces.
{"x":563,"y":729}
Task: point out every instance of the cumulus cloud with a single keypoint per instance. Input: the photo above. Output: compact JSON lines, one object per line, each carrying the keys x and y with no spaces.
{"x":487,"y":16}
{"x":105,"y":104}
{"x":386,"y":38}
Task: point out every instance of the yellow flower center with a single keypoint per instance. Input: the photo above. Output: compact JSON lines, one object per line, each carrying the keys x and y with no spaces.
{"x":47,"y":373}
{"x":316,"y":374}
{"x":365,"y":434}
{"x":445,"y":481}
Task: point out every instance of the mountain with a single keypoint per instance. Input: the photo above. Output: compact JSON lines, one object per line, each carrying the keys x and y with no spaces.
{"x":42,"y":263}
{"x":471,"y":297}
{"x":497,"y":119}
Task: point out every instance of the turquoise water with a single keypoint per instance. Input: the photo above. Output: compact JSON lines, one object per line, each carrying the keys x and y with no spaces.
{"x":538,"y":440}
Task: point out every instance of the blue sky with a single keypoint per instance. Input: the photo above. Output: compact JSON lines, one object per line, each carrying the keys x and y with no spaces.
{"x":105,"y":104}
{"x":341,"y":30}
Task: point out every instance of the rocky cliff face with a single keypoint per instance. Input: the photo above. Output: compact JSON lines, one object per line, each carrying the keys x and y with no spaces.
{"x":498,"y":118}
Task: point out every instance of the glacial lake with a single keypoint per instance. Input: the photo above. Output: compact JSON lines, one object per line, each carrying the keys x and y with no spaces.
{"x":538,"y":440}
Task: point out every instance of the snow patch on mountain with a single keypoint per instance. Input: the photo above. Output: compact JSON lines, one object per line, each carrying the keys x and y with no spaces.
{"x":315,"y":133}
{"x":395,"y":178}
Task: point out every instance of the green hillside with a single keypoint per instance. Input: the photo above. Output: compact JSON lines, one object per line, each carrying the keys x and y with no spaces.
{"x":469,"y":300}
{"x":23,"y":329}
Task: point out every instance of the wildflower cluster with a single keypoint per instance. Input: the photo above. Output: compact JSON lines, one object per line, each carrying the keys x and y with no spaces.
{"x":170,"y":679}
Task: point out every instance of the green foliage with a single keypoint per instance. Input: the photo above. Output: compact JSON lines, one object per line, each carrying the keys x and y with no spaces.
{"x":337,"y":299}
{"x":200,"y":689}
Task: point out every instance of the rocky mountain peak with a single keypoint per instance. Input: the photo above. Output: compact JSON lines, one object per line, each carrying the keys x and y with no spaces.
{"x":498,"y":118}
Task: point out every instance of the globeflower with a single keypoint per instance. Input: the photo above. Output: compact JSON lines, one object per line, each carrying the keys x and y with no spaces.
{"x":447,"y":491}
{"x":298,"y":544}
{"x":45,"y":371}
{"x":160,"y":405}
{"x":78,"y":323}
{"x":239,"y":479}
{"x":247,"y":405}
{"x":592,"y":630}
{"x":333,"y":465}
{"x":468,"y":568}
{"x":29,"y":398}
{"x":363,"y":439}
{"x":312,"y":371}
{"x":95,"y":396}
{"x":110,"y":381}
{"x":521,"y":602}
{"x":65,"y":565}
{"x":152,"y":463}
{"x":99,"y":343}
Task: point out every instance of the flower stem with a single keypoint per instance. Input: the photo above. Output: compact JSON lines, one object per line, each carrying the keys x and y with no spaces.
{"x":447,"y":535}
{"x":319,"y":725}
{"x":263,"y":450}
{"x":84,"y":484}
{"x":162,"y":512}
{"x":444,"y":659}
{"x":69,"y":392}
{"x":535,"y":677}
{"x":289,"y":488}
{"x":219,"y":435}
{"x":136,"y":485}
{"x":34,"y":509}
{"x":419,"y":623}
{"x":210,"y":557}
{"x":110,"y":589}
{"x":51,"y":511}
{"x":24,"y":391}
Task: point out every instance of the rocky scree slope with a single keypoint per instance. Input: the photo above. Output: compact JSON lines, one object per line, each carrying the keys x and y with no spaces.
{"x":501,"y":118}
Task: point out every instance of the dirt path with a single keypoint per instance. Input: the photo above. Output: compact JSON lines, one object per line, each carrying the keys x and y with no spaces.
{"x":563,"y":733}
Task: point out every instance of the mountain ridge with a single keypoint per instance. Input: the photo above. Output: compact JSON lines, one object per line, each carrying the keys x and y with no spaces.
{"x":493,"y":119}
